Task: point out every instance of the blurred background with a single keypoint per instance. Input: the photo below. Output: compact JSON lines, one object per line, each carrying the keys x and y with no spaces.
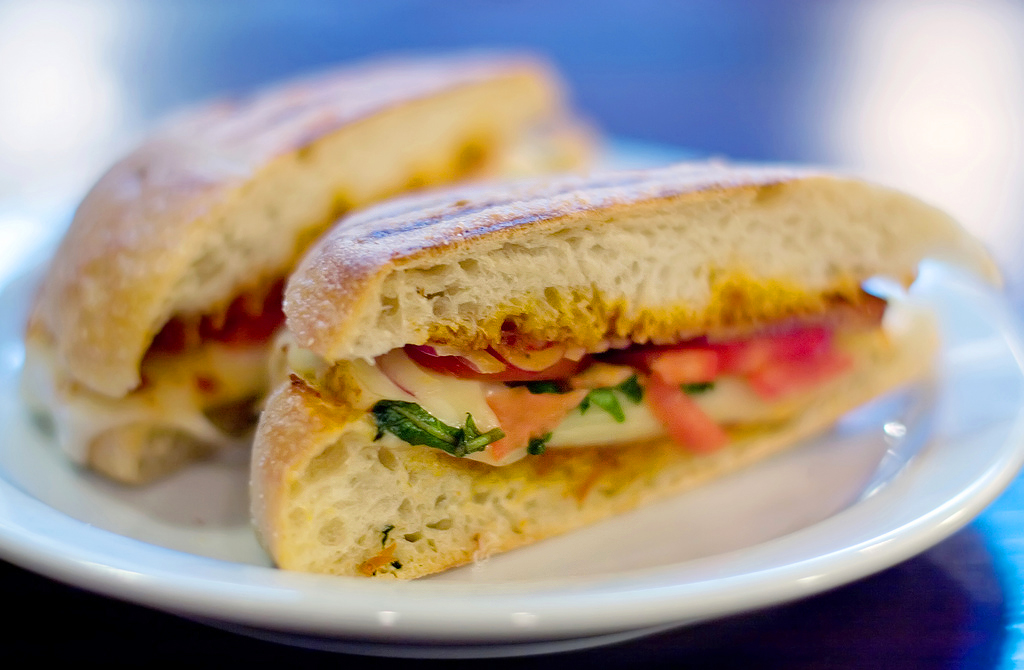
{"x":928,"y":96}
{"x":923,"y":95}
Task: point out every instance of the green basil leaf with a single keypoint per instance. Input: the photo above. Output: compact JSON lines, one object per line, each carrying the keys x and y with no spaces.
{"x":631,"y":389}
{"x":544,"y":386}
{"x":470,"y":431}
{"x":479,"y":442}
{"x":697,"y":388}
{"x":605,"y":399}
{"x":411,"y":423}
{"x":538,"y":445}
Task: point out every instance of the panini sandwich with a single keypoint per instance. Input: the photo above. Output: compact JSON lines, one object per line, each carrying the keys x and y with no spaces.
{"x":471,"y":371}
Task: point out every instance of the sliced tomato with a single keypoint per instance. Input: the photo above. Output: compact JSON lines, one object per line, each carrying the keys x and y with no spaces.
{"x":740,"y":356}
{"x":801,"y":343}
{"x":686,"y":366}
{"x":683,"y":419}
{"x":248,"y":319}
{"x":459,"y":367}
{"x":523,"y":415}
{"x":743,"y":357}
{"x":781,"y":377}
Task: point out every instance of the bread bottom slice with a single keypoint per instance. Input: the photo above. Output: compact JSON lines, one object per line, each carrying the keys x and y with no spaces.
{"x":328,"y":499}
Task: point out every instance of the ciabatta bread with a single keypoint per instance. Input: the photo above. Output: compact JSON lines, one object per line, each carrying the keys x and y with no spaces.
{"x":590,"y":269}
{"x":648,"y":256}
{"x":185,"y":241}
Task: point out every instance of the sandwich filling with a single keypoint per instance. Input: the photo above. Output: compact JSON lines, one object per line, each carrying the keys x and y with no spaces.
{"x":202,"y":376}
{"x":507,"y":403}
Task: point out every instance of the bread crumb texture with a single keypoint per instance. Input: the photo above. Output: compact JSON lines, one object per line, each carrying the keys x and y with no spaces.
{"x":328,"y":498}
{"x":357,"y":503}
{"x":653,"y":257}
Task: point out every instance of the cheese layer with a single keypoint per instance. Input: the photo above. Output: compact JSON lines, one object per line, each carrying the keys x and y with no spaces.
{"x":731,"y":402}
{"x":179,"y":392}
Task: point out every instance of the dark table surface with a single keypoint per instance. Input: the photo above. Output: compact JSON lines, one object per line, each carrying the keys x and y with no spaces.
{"x":928,"y":96}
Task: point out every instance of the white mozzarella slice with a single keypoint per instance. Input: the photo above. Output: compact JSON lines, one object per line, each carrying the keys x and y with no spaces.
{"x":447,"y":398}
{"x":171,"y":398}
{"x":596,"y":427}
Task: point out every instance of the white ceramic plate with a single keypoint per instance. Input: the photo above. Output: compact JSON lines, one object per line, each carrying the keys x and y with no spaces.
{"x":833,"y":510}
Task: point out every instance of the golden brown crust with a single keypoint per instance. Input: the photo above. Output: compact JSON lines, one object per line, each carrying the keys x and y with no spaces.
{"x":340,"y":272}
{"x":341,"y":277}
{"x":295,"y":418}
{"x":143,"y":227}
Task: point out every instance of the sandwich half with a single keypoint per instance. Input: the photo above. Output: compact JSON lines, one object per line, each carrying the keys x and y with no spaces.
{"x":148,"y":342}
{"x":472,"y":371}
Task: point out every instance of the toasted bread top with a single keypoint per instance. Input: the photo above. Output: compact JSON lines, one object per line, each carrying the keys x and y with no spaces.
{"x":223,"y":198}
{"x":646,"y":256}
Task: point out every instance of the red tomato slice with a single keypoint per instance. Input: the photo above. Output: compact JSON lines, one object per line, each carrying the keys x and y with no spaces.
{"x":686,"y":366}
{"x":782,"y":377}
{"x":523,"y":415}
{"x":683,"y":419}
{"x":801,"y":343}
{"x":457,"y":366}
{"x":243,"y":322}
{"x":743,"y":357}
